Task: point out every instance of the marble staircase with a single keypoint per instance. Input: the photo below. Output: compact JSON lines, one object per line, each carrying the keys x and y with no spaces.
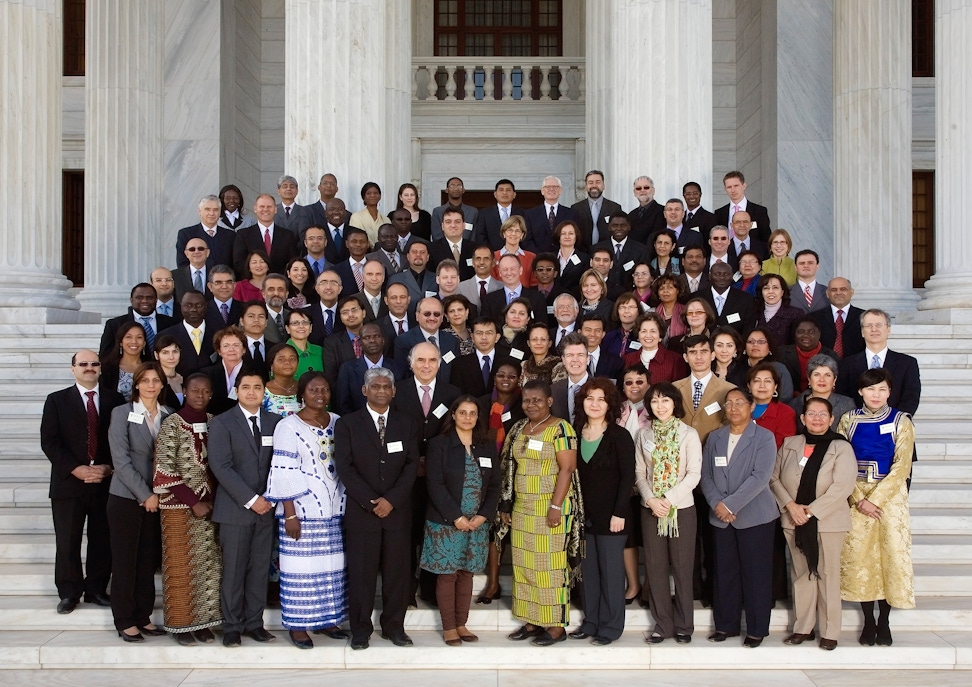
{"x":934,"y":635}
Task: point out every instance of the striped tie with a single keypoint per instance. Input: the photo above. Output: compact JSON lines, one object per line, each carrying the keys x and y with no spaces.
{"x":808,"y":296}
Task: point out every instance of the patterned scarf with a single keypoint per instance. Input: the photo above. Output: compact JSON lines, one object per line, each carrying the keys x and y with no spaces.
{"x":496,"y":411}
{"x":664,"y":461}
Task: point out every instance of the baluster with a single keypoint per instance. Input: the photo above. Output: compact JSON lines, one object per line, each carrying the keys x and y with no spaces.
{"x":508,"y":82}
{"x":581,"y":81}
{"x":565,"y":82}
{"x":545,"y":82}
{"x":415,"y":71}
{"x":450,"y":82}
{"x":492,"y":91}
{"x":526,"y":89}
{"x":469,"y":83}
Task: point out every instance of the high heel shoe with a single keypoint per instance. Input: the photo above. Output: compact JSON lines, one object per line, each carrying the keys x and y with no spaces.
{"x":868,"y":635}
{"x":486,"y":600}
{"x":629,"y":601}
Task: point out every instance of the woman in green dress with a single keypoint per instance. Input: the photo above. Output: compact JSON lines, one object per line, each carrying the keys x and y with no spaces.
{"x":541,"y":505}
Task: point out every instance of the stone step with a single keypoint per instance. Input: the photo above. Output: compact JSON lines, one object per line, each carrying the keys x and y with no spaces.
{"x":938,"y":579}
{"x":941,"y":520}
{"x":36,"y":470}
{"x":940,"y":495}
{"x":941,"y":471}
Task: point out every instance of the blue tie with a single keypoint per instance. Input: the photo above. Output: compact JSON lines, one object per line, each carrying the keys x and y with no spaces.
{"x":150,"y":333}
{"x":329,"y":323}
{"x":875,"y":361}
{"x":486,"y":370}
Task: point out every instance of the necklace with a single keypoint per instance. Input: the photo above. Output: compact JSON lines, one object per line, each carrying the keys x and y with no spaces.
{"x":534,"y":427}
{"x":288,"y":390}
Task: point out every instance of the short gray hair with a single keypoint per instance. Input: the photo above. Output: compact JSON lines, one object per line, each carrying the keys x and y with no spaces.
{"x":374,"y":373}
{"x":284,"y":179}
{"x":821,"y":360}
{"x":208,"y":199}
{"x":643,"y":178}
{"x":567,"y":297}
{"x":557,"y":179}
{"x":876,"y":311}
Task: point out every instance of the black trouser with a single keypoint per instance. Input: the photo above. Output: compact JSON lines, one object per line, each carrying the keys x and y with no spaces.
{"x":69,"y":517}
{"x":136,"y":552}
{"x":368,"y":553}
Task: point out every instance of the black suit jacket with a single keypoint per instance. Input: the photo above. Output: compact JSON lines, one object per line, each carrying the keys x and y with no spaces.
{"x":608,"y":365}
{"x":467,"y":375}
{"x":416,"y":291}
{"x":189,"y":360}
{"x":486,"y":228}
{"x":114,"y":324}
{"x":853,"y":339}
{"x":539,"y":237}
{"x":757,"y":213}
{"x":220,"y":401}
{"x":317,"y":218}
{"x":583,"y":210}
{"x":606,"y":481}
{"x":64,"y":439}
{"x":689,"y":236}
{"x":336,"y":251}
{"x":347,"y":395}
{"x":370,"y":316}
{"x":632,"y":253}
{"x":442,"y":250}
{"x":182,"y":279}
{"x":704,"y":220}
{"x":318,"y":333}
{"x":738,"y":303}
{"x":338,"y":349}
{"x":754,"y":244}
{"x":445,"y":465}
{"x":390,"y":331}
{"x":220,"y":245}
{"x":283,"y":247}
{"x":905,"y":379}
{"x":240,"y":467}
{"x":495,"y":303}
{"x":646,"y":220}
{"x":369,"y":470}
{"x":408,"y":402}
{"x":214,"y":318}
{"x":349,"y":286}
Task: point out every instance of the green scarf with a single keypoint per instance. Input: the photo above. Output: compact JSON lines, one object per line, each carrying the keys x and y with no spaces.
{"x":664,"y":461}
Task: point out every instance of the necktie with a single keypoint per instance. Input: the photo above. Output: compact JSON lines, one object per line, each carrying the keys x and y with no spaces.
{"x":697,"y":394}
{"x":570,"y":402}
{"x":510,"y":297}
{"x":257,"y":355}
{"x":433,"y":341}
{"x":875,"y":361}
{"x":595,"y":211}
{"x":720,"y":300}
{"x":590,"y":364}
{"x":381,"y":429}
{"x":338,"y":238}
{"x":735,"y":209}
{"x":689,"y":216}
{"x":358,"y":278}
{"x":317,"y":267}
{"x":617,"y":253}
{"x":163,"y":308}
{"x":455,"y":253}
{"x":149,"y":332}
{"x":196,"y":339}
{"x":287,"y":212}
{"x":551,"y":219}
{"x":563,"y":333}
{"x":356,"y":345}
{"x":694,"y":285}
{"x":393,"y":259}
{"x":482,"y":290}
{"x":257,"y":437}
{"x":278,"y":320}
{"x":197,"y":282}
{"x":92,"y":426}
{"x":224,"y":311}
{"x":504,"y":214}
{"x":486,"y":370}
{"x":426,"y":399}
{"x":624,"y":341}
{"x":211,"y":232}
{"x":839,"y":339}
{"x":266,"y":241}
{"x":401,"y":244}
{"x":375,"y":306}
{"x":329,"y":322}
{"x":742,"y":246}
{"x":401,"y":329}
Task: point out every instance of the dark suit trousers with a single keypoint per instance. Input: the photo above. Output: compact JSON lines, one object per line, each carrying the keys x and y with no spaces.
{"x":703,"y":567}
{"x":604,"y":582}
{"x":677,"y":554}
{"x":246,"y":569}
{"x":743,"y":578}
{"x":426,"y":583}
{"x":369,"y":552}
{"x":136,"y":553}
{"x":69,"y":516}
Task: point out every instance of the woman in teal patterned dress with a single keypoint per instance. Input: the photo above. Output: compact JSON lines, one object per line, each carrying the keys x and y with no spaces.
{"x":463,"y":479}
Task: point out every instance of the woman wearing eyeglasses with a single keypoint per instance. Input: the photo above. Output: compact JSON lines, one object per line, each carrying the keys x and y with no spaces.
{"x":514,"y":231}
{"x":309,"y":356}
{"x":573,"y":263}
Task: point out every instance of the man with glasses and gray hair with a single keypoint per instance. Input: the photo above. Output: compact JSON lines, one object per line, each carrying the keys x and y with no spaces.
{"x":543,"y":219}
{"x":218,"y":239}
{"x":649,"y":216}
{"x":429,"y":317}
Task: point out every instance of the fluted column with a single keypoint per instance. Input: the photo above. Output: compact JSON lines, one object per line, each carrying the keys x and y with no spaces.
{"x":872,"y":151}
{"x":951,"y":286}
{"x":649,"y":94}
{"x":351,"y":113}
{"x":30,"y":162}
{"x":123,"y":189}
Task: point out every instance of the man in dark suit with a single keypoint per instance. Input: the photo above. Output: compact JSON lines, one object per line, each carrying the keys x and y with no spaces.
{"x":742,"y":240}
{"x":222,"y":309}
{"x":324,"y":315}
{"x":429,"y":316}
{"x":74,"y":437}
{"x":694,"y":269}
{"x":594,"y":211}
{"x":426,"y":400}
{"x":807,"y":294}
{"x":345,"y":345}
{"x":574,"y":355}
{"x":452,"y":246}
{"x":241,"y":447}
{"x":510,"y":272}
{"x":253,"y":322}
{"x":315,"y":249}
{"x":328,"y":188}
{"x":472,"y":374}
{"x":419,"y":280}
{"x":482,"y":282}
{"x":486,"y":228}
{"x":143,"y":299}
{"x":840,"y":322}
{"x":282,"y":242}
{"x":386,"y":252}
{"x":194,"y":337}
{"x":218,"y":239}
{"x":454,"y":191}
{"x":675,"y":221}
{"x":649,"y":216}
{"x":398,"y":321}
{"x":905,"y":377}
{"x":357,"y":245}
{"x":166,"y":301}
{"x":735,"y":184}
{"x":348,"y":396}
{"x":370,"y":297}
{"x":336,"y":224}
{"x":543,"y":219}
{"x":289,"y":214}
{"x":275,"y":297}
{"x":599,"y":362}
{"x":376,"y":455}
{"x":697,"y":216}
{"x":625,"y":251}
{"x":194,"y":275}
{"x":733,"y":308}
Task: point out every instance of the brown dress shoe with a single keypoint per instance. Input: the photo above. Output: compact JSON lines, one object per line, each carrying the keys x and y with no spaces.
{"x":828,"y":644}
{"x":798,"y":638}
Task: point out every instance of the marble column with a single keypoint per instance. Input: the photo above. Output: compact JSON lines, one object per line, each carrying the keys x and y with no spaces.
{"x":649,"y":94}
{"x":351,"y":113}
{"x":123,"y":183}
{"x":872,"y":151}
{"x":30,"y":164}
{"x":951,"y":286}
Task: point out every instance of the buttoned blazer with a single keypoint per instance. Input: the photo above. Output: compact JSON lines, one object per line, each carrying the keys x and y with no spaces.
{"x":283,"y":247}
{"x":467,"y":375}
{"x":539,"y":238}
{"x":704,"y":220}
{"x":214,"y":318}
{"x":853,"y":338}
{"x":571,"y":274}
{"x":347,"y":394}
{"x":646,"y":220}
{"x":445,"y":466}
{"x":442,"y":250}
{"x":819,"y":302}
{"x":632,"y":253}
{"x":737,"y":303}
{"x":699,"y":419}
{"x":132,"y":454}
{"x":408,"y":402}
{"x":905,"y":379}
{"x":583,"y":210}
{"x":448,"y":343}
{"x":114,"y":324}
{"x":743,"y":484}
{"x":220,"y":245}
{"x":757,"y":213}
{"x":189,"y":360}
{"x":835,"y":482}
{"x":238,"y":465}
{"x":689,"y":466}
{"x":299,"y":220}
{"x":486,"y":228}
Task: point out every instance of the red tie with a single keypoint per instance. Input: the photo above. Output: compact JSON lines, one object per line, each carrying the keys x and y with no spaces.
{"x":356,"y":344}
{"x":482,"y":290}
{"x":808,"y":296}
{"x":426,"y":399}
{"x":839,"y":341}
{"x":266,"y":241}
{"x":92,"y":427}
{"x":401,"y":330}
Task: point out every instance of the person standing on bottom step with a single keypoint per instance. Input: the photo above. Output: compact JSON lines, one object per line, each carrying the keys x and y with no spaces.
{"x":241,"y":448}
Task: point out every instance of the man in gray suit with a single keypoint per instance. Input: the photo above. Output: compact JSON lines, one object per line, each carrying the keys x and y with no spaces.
{"x":482,"y":282}
{"x":240,"y":449}
{"x":807,"y":294}
{"x":290,"y":215}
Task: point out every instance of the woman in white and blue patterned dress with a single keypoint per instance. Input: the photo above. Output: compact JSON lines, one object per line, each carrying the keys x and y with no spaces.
{"x":310,"y":511}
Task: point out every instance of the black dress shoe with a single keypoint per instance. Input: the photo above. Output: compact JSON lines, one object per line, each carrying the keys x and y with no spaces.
{"x":752,"y":642}
{"x":579,"y":634}
{"x":722,"y":636}
{"x":524,"y":633}
{"x":231,"y":639}
{"x":398,"y":639}
{"x":828,"y":644}
{"x":332,"y":632}
{"x":547,"y":639}
{"x":98,"y":599}
{"x":600,"y":640}
{"x":260,"y":634}
{"x":683,"y":639}
{"x":487,"y":600}
{"x":300,"y":643}
{"x":131,"y":639}
{"x":868,"y":635}
{"x":643,"y":603}
{"x":153,"y":631}
{"x":654,"y":638}
{"x":184,"y":638}
{"x":359,"y":644}
{"x":65,"y":606}
{"x":205,"y":635}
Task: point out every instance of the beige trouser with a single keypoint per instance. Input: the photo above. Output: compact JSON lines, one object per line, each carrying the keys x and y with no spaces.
{"x":818,"y":598}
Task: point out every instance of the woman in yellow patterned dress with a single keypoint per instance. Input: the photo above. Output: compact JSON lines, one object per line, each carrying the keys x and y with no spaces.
{"x":541,"y":505}
{"x":875,"y":564}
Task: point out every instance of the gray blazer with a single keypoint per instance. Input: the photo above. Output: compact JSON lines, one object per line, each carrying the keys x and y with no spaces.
{"x":132,"y":454}
{"x":743,"y":485}
{"x":239,"y":467}
{"x":799,"y":300}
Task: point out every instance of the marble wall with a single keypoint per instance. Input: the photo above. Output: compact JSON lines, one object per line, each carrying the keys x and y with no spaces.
{"x":272,"y":95}
{"x":723,"y":101}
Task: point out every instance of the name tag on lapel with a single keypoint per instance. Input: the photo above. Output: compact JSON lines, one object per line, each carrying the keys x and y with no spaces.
{"x":506,"y":417}
{"x":721,"y":461}
{"x":803,"y":461}
{"x":469,"y":262}
{"x":395,"y":447}
{"x":485,"y":462}
{"x":469,"y":227}
{"x":732,"y":318}
{"x":267,"y":441}
{"x":634,"y":345}
{"x":574,"y":260}
{"x":136,"y":418}
{"x":628,"y":265}
{"x":712,"y":408}
{"x":752,"y":226}
{"x":431,"y":294}
{"x":449,"y":357}
{"x":199,"y":428}
{"x":440,"y":411}
{"x":516,"y":353}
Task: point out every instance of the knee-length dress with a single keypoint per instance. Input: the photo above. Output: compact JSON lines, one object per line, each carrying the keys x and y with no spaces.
{"x":313,"y":574}
{"x":875,"y":562}
{"x":446,"y":549}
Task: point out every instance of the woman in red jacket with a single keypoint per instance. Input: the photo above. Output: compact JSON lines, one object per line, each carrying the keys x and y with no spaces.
{"x":662,"y":364}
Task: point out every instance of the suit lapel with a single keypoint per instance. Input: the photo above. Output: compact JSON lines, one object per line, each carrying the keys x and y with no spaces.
{"x":247,"y":428}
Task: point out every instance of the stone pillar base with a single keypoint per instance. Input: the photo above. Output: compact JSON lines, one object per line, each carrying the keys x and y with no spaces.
{"x":893,"y":301}
{"x":106,"y":301}
{"x":47,"y":316}
{"x":956,"y":316}
{"x":947,"y":291}
{"x":20,"y":288}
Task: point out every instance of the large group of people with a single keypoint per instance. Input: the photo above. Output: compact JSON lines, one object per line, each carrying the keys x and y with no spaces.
{"x":314,"y":398}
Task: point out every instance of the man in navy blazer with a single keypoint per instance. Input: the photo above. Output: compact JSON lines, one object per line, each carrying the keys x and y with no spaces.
{"x":807,"y":263}
{"x":486,"y":228}
{"x":193,"y":318}
{"x":735,"y":185}
{"x":240,"y":451}
{"x":594,"y":211}
{"x":289,"y":214}
{"x":738,"y":309}
{"x":328,"y":188}
{"x":415,"y":276}
{"x":143,"y":299}
{"x":429,"y":318}
{"x":697,"y":216}
{"x":600,"y":362}
{"x":648,"y":217}
{"x":851,"y":341}
{"x":376,"y":455}
{"x":543,"y":219}
{"x":348,"y":396}
{"x":219,"y":239}
{"x":283,"y":242}
{"x":743,"y":239}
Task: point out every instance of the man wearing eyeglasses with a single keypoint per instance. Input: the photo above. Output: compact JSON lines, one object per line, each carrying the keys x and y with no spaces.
{"x":454,"y":192}
{"x":453,"y":245}
{"x":221,"y":308}
{"x":165,"y":300}
{"x":195,"y":274}
{"x":218,"y":239}
{"x":649,"y":216}
{"x":429,"y":317}
{"x":543,"y":219}
{"x":74,"y":437}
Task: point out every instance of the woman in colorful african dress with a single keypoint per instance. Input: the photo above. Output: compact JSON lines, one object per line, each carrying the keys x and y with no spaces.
{"x":191,"y":558}
{"x":875,"y":564}
{"x":542,"y":508}
{"x":310,"y":510}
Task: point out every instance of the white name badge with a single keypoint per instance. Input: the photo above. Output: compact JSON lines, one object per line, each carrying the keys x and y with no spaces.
{"x":469,"y":226}
{"x":752,"y":226}
{"x":550,"y":310}
{"x":431,"y":294}
{"x":449,"y":357}
{"x":516,"y":353}
{"x":634,"y":345}
{"x":469,"y":262}
{"x":485,"y":462}
{"x":695,"y":229}
{"x":574,"y":260}
{"x":535,"y":445}
{"x":267,"y":441}
{"x":713,"y":408}
{"x":737,"y":276}
{"x":136,"y":418}
{"x":649,"y":445}
{"x":440,"y":411}
{"x":395,"y":447}
{"x":506,"y":417}
{"x":199,"y":428}
{"x":628,"y":265}
{"x":733,"y":317}
{"x":721,"y":461}
{"x":803,"y":461}
{"x":607,"y":220}
{"x":885,"y":429}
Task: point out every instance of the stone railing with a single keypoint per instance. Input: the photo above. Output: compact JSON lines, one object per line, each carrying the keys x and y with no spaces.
{"x":498,"y":78}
